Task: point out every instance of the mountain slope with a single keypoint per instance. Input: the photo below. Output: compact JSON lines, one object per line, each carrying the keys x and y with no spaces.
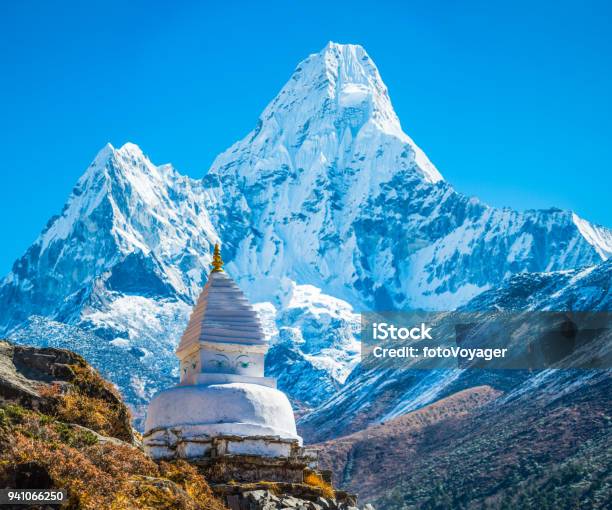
{"x":541,"y":440}
{"x":585,"y":289}
{"x":371,"y":396}
{"x":546,"y":448}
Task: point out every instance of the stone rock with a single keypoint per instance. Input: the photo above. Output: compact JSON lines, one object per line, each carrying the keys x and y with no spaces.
{"x":39,"y":378}
{"x":323,"y":503}
{"x":290,"y":502}
{"x":282,"y":496}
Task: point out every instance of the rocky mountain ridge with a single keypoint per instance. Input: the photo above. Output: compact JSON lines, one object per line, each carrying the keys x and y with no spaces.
{"x":376,"y":395}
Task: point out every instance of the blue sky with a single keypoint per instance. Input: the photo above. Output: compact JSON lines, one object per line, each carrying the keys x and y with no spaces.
{"x":510,"y":100}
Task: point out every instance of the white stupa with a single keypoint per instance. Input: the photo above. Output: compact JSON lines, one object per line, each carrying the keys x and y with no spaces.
{"x":223,"y":406}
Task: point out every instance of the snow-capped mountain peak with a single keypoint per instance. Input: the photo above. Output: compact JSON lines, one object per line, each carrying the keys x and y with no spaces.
{"x":128,"y":226}
{"x":328,"y":190}
{"x":340,"y":76}
{"x":334,"y":109}
{"x":325,"y":209}
{"x":124,"y":182}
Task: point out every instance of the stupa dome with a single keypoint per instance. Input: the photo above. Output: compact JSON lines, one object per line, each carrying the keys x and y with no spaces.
{"x":240,"y":409}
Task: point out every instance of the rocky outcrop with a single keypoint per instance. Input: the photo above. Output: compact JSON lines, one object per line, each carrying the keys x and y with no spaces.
{"x":61,"y":384}
{"x":64,"y":427}
{"x":273,"y":496}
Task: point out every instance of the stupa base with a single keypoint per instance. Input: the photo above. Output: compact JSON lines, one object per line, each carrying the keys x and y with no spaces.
{"x":245,"y":419}
{"x":165,"y":444}
{"x":238,"y":458}
{"x":252,"y":469}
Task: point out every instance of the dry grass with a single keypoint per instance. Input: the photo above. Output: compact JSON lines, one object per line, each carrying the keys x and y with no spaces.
{"x":97,"y":474}
{"x":89,"y":401}
{"x":313,"y":479}
{"x":187,"y":476}
{"x":93,"y":413}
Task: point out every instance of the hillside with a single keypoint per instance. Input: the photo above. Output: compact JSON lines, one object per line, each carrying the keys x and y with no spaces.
{"x":64,"y":427}
{"x":390,"y":445}
{"x":472,"y":450}
{"x":543,"y":442}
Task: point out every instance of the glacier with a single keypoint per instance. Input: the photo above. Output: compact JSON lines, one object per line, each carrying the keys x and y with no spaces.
{"x":325,"y":209}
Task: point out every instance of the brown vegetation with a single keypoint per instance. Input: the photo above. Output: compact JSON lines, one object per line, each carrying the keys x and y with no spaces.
{"x":90,"y":401}
{"x":97,"y":472}
{"x":314,"y":479}
{"x":63,"y":426}
{"x":390,"y":445}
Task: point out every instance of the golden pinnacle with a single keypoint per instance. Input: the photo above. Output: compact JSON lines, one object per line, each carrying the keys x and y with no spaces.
{"x":217,"y":262}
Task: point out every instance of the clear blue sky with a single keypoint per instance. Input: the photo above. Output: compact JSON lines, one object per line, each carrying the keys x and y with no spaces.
{"x":510,"y":100}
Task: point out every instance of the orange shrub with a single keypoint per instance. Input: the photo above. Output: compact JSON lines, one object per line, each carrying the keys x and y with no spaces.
{"x":314,"y":479}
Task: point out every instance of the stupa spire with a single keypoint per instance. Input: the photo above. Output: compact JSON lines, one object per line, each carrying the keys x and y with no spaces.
{"x":217,"y":262}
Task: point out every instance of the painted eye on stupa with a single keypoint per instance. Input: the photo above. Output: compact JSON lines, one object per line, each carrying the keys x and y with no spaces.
{"x":221,"y":361}
{"x":242,"y":361}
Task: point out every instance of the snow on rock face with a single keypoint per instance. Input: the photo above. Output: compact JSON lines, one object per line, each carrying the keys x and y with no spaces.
{"x":323,"y":327}
{"x":598,"y":237}
{"x":587,"y":289}
{"x":325,"y":209}
{"x":315,"y":344}
{"x":352,"y":94}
